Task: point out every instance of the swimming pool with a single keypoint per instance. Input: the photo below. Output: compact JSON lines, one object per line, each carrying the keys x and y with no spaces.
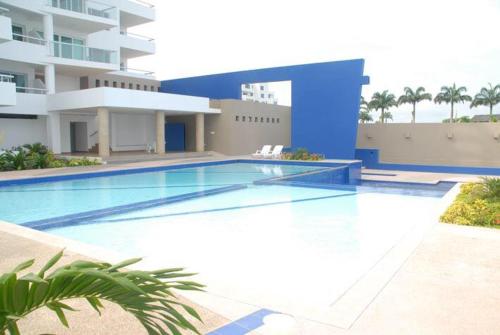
{"x":287,"y":237}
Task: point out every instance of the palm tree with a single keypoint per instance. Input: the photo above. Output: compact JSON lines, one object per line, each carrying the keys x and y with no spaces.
{"x":382,"y":101}
{"x":487,"y":97}
{"x":414,"y":97}
{"x":388,"y":116}
{"x":452,"y":95}
{"x":364,"y":111}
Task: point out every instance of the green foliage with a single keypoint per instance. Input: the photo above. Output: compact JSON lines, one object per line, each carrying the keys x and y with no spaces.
{"x":382,"y":101}
{"x":487,"y":97}
{"x":413,"y":98}
{"x":302,"y":154}
{"x":148,"y":295}
{"x":36,"y":156}
{"x":464,"y":119}
{"x":452,"y":95}
{"x":477,"y":204}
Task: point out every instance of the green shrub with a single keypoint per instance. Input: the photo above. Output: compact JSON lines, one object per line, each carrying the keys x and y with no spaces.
{"x":302,"y":154}
{"x":477,"y":204}
{"x":37,"y":156}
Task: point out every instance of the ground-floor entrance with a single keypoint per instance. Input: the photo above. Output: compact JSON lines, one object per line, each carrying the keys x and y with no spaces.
{"x":78,"y":137}
{"x":175,"y":137}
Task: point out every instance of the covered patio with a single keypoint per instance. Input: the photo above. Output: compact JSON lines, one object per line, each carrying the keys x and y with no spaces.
{"x":110,"y":120}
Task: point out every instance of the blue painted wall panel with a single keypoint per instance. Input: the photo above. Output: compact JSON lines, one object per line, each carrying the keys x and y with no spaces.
{"x":325,"y":100}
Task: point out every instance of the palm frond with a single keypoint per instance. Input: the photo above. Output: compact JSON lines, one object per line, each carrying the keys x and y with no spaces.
{"x":148,"y":295}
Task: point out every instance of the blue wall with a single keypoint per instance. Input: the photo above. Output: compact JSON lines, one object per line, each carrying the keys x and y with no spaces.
{"x":325,"y":100}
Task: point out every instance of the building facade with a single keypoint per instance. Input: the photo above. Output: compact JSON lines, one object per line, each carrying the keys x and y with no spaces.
{"x":65,"y":79}
{"x":258,"y":93}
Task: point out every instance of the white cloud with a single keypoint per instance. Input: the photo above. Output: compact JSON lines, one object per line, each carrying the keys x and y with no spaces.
{"x":426,"y":43}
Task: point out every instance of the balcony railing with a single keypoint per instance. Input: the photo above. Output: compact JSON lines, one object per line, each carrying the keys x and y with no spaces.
{"x":135,"y":71}
{"x":143,"y":3}
{"x":145,"y":38}
{"x":31,"y":90}
{"x":81,"y":52}
{"x":28,"y":39}
{"x":6,"y":78}
{"x":89,"y":7}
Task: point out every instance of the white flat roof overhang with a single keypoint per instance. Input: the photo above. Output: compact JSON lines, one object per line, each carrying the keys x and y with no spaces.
{"x":118,"y":99}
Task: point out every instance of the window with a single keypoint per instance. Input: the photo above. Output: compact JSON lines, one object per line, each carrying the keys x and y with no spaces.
{"x":256,"y":119}
{"x":278,"y":120}
{"x":68,"y":47}
{"x":137,"y":86}
{"x":106,"y":83}
{"x":261,"y":120}
{"x":97,"y":83}
{"x":270,"y":95}
{"x":247,"y":85}
{"x":262,"y":95}
{"x":122,"y":85}
{"x":272,"y":120}
{"x":237,"y":118}
{"x":145,"y":87}
{"x":249,"y":119}
{"x":130,"y":86}
{"x":152,"y":88}
{"x":262,"y":87}
{"x":267,"y":120}
{"x":17,"y":32}
{"x":115,"y":84}
{"x":242,"y":119}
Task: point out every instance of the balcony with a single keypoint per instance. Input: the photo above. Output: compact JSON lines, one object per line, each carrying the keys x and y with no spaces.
{"x":7,"y":91}
{"x":134,"y":73}
{"x":27,"y":103}
{"x":133,"y":45}
{"x":83,"y":15}
{"x":5,"y":26}
{"x":135,"y":12}
{"x":24,"y":48}
{"x":75,"y":58}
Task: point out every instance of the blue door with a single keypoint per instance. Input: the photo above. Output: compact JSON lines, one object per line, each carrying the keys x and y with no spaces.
{"x":175,"y":135}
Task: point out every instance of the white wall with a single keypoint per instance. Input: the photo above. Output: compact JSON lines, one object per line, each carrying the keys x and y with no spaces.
{"x":27,"y":103}
{"x":67,"y":83}
{"x":15,"y":132}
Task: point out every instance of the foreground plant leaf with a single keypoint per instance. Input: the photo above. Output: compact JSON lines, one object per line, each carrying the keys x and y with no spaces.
{"x":147,"y":295}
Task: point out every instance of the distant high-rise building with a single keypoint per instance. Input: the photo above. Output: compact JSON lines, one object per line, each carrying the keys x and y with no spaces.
{"x":258,"y":93}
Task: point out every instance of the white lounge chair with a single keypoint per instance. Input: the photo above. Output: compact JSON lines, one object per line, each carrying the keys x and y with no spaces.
{"x":266,"y":150}
{"x":276,"y":153}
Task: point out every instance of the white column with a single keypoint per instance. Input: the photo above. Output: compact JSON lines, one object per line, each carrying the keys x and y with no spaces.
{"x":48,"y":31}
{"x":160,"y":132}
{"x":103,"y":129}
{"x":200,"y":132}
{"x":54,"y":132}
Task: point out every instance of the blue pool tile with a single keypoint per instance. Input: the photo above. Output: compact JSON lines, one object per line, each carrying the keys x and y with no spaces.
{"x":245,"y":324}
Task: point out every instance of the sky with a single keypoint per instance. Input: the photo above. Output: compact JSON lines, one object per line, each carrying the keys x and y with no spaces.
{"x":427,"y":43}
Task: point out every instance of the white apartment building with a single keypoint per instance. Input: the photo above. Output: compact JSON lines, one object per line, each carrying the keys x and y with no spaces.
{"x":259,"y":93}
{"x":65,"y":80}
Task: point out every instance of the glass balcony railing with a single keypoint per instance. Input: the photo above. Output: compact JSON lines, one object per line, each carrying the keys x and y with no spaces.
{"x":143,"y":3}
{"x":136,"y":71}
{"x":140,"y":37}
{"x":88,"y":7}
{"x":81,"y":52}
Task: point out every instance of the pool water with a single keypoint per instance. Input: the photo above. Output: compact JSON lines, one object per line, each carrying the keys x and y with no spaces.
{"x":280,"y":243}
{"x":27,"y":203}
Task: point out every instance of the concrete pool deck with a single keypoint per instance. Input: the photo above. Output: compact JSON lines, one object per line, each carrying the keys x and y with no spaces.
{"x":449,"y":285}
{"x":443,"y":279}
